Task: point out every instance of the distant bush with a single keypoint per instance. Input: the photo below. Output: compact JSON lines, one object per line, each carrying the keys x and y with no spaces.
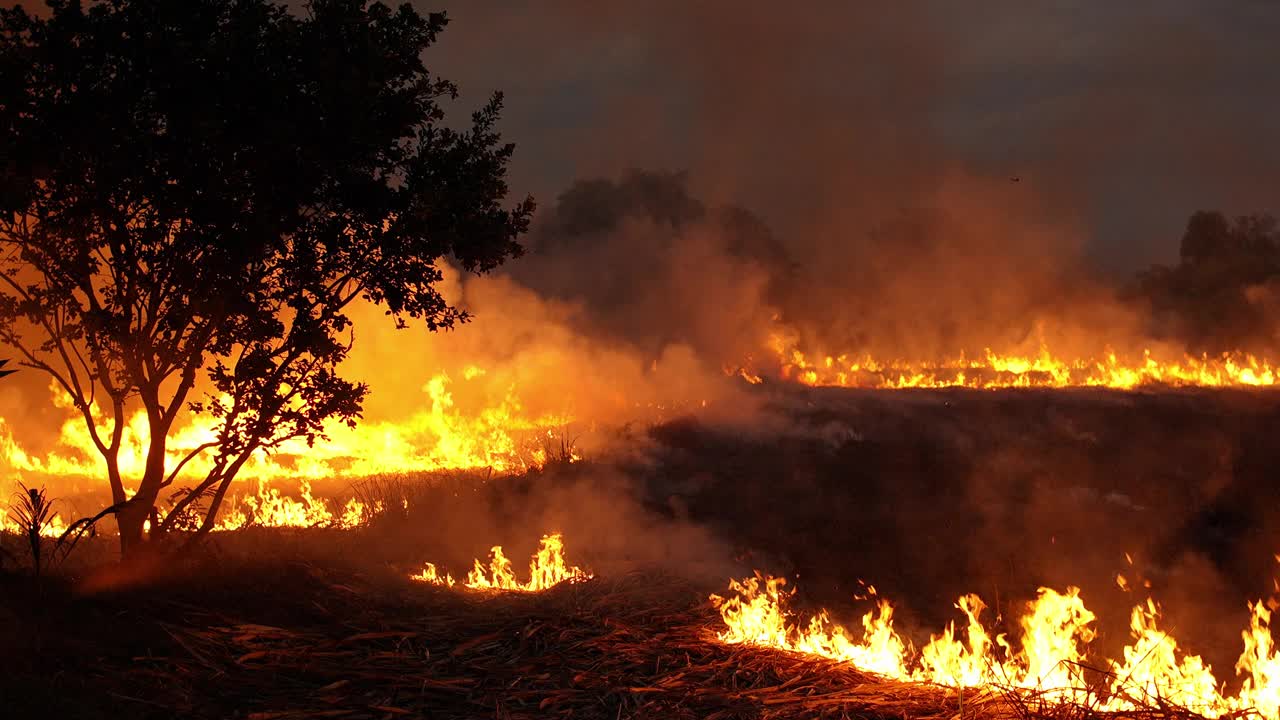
{"x":1224,"y":293}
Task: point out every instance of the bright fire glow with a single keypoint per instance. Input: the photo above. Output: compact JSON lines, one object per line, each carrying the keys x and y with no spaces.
{"x":268,"y":507}
{"x":54,"y":528}
{"x":1042,"y":369}
{"x":498,"y":435}
{"x":1049,"y":656}
{"x":547,"y":569}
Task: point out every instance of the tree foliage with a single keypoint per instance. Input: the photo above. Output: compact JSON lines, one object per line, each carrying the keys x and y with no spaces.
{"x":193,"y":192}
{"x":1225,"y":290}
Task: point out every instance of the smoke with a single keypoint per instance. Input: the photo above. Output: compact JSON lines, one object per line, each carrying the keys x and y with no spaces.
{"x":977,"y":265}
{"x":612,"y":524}
{"x":907,"y":181}
{"x":647,"y":265}
{"x":944,"y":180}
{"x":554,"y":357}
{"x":1222,"y":294}
{"x":651,"y":266}
{"x":901,"y":180}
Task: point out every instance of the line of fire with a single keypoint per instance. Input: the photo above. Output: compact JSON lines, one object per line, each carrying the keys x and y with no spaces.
{"x":913,"y":362}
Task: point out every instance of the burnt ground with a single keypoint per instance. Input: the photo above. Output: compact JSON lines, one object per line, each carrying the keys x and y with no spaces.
{"x":942,"y":492}
{"x":341,"y":645}
{"x":926,"y":495}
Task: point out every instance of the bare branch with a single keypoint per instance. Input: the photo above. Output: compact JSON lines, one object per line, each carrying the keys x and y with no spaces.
{"x":188,"y":458}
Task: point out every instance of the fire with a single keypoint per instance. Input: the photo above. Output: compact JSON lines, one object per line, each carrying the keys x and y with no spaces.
{"x":1152,"y":669}
{"x":54,"y":528}
{"x":356,"y":513}
{"x":547,"y":569}
{"x":268,"y":507}
{"x":758,"y":615}
{"x":431,"y":574}
{"x":1049,"y":658}
{"x":440,"y":436}
{"x":1259,"y":664}
{"x":1044,"y":369}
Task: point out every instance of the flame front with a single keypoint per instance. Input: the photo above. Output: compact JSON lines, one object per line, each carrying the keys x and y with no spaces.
{"x":265,"y":507}
{"x":494,"y":433}
{"x":1044,"y":368}
{"x":1049,"y":658}
{"x":547,"y":569}
{"x":268,"y":507}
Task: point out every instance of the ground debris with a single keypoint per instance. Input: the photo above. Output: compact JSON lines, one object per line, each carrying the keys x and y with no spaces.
{"x":634,"y":647}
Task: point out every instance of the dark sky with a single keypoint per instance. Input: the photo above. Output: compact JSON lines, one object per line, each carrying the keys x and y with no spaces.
{"x":1119,"y":118}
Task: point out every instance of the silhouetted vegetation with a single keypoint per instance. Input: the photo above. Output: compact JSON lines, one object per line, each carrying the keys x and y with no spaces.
{"x":192,"y":192}
{"x":32,"y":512}
{"x":652,"y":264}
{"x":1224,"y":292}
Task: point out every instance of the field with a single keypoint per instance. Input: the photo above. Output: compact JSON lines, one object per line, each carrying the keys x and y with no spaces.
{"x":926,"y":495}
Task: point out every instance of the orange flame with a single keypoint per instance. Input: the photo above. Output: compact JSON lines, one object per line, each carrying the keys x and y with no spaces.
{"x":498,"y":435}
{"x":268,"y":507}
{"x":53,"y":528}
{"x":547,"y":569}
{"x":1056,"y":631}
{"x":1043,"y":369}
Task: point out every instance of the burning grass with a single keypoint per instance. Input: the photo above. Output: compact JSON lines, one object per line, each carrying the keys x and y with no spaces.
{"x":631,"y":647}
{"x":1042,"y":369}
{"x":1048,"y":664}
{"x":491,"y":430}
{"x":547,"y":569}
{"x":324,"y":644}
{"x":298,"y":643}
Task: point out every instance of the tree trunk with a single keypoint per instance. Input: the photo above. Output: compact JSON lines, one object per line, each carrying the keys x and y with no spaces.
{"x":141,"y":507}
{"x":130,"y":519}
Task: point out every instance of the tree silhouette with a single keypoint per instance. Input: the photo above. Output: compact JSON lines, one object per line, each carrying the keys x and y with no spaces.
{"x":192,"y":192}
{"x":1221,"y":295}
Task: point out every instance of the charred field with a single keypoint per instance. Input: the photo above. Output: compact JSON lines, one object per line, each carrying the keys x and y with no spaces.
{"x":926,"y":494}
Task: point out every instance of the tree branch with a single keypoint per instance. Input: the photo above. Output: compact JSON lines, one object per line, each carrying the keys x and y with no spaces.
{"x":189,"y":457}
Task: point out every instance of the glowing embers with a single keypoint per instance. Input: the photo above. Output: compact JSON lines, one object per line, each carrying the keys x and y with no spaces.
{"x":1049,"y":658}
{"x":547,"y":569}
{"x":1044,"y":369}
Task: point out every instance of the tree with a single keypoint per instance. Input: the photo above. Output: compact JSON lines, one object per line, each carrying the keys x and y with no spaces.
{"x":1222,"y":294}
{"x":1245,"y":248}
{"x":193,"y":192}
{"x":1208,"y":234}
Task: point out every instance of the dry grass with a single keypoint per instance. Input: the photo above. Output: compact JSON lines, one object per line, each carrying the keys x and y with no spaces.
{"x":337,"y":646}
{"x":636,"y":647}
{"x":400,"y":492}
